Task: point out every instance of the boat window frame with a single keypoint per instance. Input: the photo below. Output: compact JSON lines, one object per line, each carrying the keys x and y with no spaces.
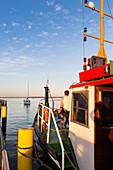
{"x":105,"y":89}
{"x":75,"y":121}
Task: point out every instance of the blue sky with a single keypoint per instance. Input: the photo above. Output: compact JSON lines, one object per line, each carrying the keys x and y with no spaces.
{"x":40,"y":38}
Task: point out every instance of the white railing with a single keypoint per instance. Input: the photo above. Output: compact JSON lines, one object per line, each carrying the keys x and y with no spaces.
{"x":48,"y":128}
{"x":4,"y":161}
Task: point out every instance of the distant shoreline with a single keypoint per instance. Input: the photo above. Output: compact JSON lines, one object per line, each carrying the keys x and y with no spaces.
{"x":32,"y":97}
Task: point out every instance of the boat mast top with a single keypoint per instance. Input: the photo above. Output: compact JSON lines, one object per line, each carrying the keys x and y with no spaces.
{"x":28,"y":89}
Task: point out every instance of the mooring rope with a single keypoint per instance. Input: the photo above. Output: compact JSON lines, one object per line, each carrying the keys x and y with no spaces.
{"x":37,"y":159}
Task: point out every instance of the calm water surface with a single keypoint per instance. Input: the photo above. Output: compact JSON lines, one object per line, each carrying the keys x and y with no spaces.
{"x":19,"y":116}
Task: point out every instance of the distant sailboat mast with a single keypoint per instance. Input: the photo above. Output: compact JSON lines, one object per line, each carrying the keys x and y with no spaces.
{"x":28,"y":89}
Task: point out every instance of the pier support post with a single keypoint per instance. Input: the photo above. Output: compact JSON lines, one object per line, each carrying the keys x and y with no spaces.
{"x":25,"y":146}
{"x":0,"y":110}
{"x":4,"y":122}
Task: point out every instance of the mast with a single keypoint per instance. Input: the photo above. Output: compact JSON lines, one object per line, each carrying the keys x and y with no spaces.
{"x":101,"y":52}
{"x":102,"y":28}
{"x":28,"y":89}
{"x":46,"y":93}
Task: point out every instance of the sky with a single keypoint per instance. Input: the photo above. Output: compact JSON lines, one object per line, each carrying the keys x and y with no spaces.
{"x":44,"y":38}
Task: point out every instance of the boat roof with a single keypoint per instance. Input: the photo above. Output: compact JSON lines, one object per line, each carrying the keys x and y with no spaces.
{"x":106,"y":81}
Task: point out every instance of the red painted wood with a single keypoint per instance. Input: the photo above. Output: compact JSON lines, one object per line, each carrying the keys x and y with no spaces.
{"x":93,"y":73}
{"x":93,"y":83}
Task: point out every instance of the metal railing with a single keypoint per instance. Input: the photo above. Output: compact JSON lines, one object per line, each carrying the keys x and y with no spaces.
{"x":51,"y":114}
{"x":4,"y":156}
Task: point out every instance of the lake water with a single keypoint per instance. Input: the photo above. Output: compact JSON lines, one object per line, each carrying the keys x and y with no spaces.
{"x":19,"y":116}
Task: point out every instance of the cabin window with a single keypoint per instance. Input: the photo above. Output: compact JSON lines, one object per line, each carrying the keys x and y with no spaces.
{"x":80,"y":107}
{"x":107,"y":108}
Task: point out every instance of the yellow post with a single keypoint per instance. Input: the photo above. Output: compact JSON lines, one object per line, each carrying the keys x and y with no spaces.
{"x":4,"y":122}
{"x":25,"y":140}
{"x":4,"y":111}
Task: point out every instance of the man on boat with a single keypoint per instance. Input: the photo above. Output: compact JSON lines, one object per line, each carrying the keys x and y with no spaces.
{"x":65,"y":107}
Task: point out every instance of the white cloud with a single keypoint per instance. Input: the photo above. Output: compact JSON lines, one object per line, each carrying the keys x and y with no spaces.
{"x":7,"y":31}
{"x":27,"y":45}
{"x":23,"y":39}
{"x":14,"y":38}
{"x":23,"y":57}
{"x":29,"y":27}
{"x":11,"y":74}
{"x":55,"y":34}
{"x":13,"y":10}
{"x":78,"y":9}
{"x":50,"y":3}
{"x":58,"y":7}
{"x":4,"y":24}
{"x":65,"y":11}
{"x":41,"y":13}
{"x":91,"y":20}
{"x":14,"y":24}
{"x":59,"y":27}
{"x":49,"y":46}
{"x":45,"y":33}
{"x":13,"y":64}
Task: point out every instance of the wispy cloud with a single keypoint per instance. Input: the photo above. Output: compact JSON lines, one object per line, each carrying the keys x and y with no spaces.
{"x":55,"y":34}
{"x":91,"y":20}
{"x":50,"y":2}
{"x":58,"y":7}
{"x":7,"y":31}
{"x":14,"y":24}
{"x":43,"y":34}
{"x":14,"y":38}
{"x":24,"y":61}
{"x":13,"y":10}
{"x":28,"y":45}
{"x":4,"y":24}
{"x":78,"y":9}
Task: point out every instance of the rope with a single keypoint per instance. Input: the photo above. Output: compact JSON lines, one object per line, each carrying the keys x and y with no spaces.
{"x":37,"y":159}
{"x":70,"y":161}
{"x":24,"y":148}
{"x":109,"y":8}
{"x":41,"y":162}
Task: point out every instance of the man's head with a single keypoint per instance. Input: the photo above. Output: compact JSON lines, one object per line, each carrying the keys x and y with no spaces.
{"x":66,"y":92}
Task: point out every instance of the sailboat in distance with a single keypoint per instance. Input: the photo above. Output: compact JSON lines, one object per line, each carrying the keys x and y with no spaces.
{"x":27,"y":101}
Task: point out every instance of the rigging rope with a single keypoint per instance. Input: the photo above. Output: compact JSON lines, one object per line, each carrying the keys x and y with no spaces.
{"x":37,"y":158}
{"x":109,"y":8}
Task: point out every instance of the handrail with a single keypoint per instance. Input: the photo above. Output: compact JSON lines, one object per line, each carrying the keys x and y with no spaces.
{"x":5,"y":161}
{"x":48,"y":130}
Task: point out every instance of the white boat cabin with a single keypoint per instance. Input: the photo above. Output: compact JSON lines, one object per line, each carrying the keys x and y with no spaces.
{"x":91,"y":121}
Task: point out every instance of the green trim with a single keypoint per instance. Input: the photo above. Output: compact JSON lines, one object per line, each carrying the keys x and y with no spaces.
{"x":111,"y":67}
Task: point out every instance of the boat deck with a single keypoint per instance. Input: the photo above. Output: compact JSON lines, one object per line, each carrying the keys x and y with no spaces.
{"x":54,"y":143}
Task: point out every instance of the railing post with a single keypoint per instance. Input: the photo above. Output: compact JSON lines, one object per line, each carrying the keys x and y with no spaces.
{"x":63,"y":159}
{"x":48,"y":132}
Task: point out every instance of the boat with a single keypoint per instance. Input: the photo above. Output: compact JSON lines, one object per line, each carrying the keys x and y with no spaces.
{"x":27,"y":100}
{"x":88,"y":142}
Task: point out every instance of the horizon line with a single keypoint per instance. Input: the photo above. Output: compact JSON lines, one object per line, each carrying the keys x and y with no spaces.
{"x":29,"y":97}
